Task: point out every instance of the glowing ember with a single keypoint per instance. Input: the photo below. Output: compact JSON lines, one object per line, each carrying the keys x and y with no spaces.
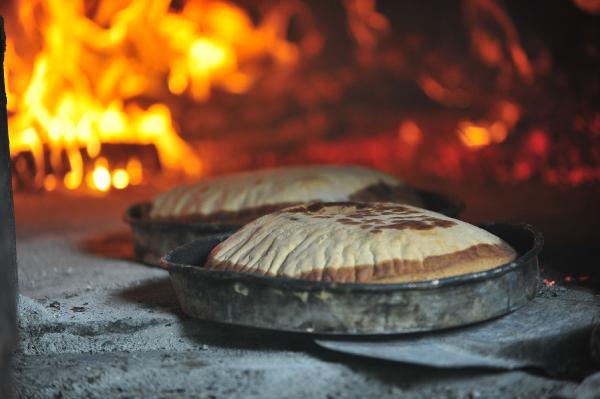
{"x":538,"y":142}
{"x":474,"y":136}
{"x":134,"y":171}
{"x":120,"y":179}
{"x":101,"y":178}
{"x":72,"y":180}
{"x":481,"y":134}
{"x":509,"y":113}
{"x":521,"y":170}
{"x":50,"y":182}
{"x":498,"y":132}
{"x":549,"y":283}
{"x":410,"y":133}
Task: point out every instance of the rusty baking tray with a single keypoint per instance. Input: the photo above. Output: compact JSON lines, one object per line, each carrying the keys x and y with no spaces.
{"x":351,"y":308}
{"x":153,"y":239}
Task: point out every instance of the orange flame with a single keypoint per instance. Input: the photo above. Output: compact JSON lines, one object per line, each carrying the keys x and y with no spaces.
{"x":75,"y":74}
{"x":499,"y":45}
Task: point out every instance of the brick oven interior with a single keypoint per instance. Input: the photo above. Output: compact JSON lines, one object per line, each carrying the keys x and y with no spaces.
{"x":488,"y":101}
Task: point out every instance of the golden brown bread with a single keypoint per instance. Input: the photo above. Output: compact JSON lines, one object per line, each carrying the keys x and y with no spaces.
{"x":360,"y":242}
{"x":241,"y":197}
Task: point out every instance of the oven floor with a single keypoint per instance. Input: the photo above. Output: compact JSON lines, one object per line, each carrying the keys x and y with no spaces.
{"x":94,"y":323}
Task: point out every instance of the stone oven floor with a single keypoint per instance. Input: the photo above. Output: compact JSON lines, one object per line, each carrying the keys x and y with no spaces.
{"x":94,"y":323}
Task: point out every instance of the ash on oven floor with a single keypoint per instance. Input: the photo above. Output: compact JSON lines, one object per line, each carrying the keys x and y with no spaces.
{"x":133,"y":340}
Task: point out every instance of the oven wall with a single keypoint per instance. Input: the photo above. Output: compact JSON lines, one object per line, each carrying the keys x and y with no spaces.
{"x":8,"y":264}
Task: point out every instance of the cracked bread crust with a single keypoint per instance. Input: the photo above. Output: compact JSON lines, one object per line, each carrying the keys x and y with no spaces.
{"x":351,"y":242}
{"x":242,"y":197}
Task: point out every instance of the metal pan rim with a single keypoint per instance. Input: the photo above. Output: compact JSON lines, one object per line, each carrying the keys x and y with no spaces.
{"x":133,"y":216}
{"x":298,"y":284}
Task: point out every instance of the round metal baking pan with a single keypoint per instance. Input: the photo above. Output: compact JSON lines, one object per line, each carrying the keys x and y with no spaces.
{"x":152,"y":239}
{"x":350,"y":308}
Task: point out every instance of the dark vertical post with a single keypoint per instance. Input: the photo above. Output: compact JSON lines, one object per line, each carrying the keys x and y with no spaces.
{"x":8,"y":256}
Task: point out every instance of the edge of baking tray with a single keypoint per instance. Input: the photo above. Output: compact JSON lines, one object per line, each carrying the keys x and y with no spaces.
{"x":136,"y":214}
{"x":331,"y":308}
{"x":153,"y":239}
{"x":168,"y":264}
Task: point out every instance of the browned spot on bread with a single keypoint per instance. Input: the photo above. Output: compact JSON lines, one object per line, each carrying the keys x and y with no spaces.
{"x":348,"y":221}
{"x":443,"y":222}
{"x":316,"y":207}
{"x":370,"y":215}
{"x":417,"y":224}
{"x":297,"y":209}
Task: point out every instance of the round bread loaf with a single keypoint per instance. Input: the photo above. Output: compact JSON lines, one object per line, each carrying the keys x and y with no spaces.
{"x":353,"y":242}
{"x":241,"y":197}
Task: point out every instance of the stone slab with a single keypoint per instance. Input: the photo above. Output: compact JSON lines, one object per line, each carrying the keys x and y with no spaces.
{"x":258,"y":374}
{"x":553,"y":332}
